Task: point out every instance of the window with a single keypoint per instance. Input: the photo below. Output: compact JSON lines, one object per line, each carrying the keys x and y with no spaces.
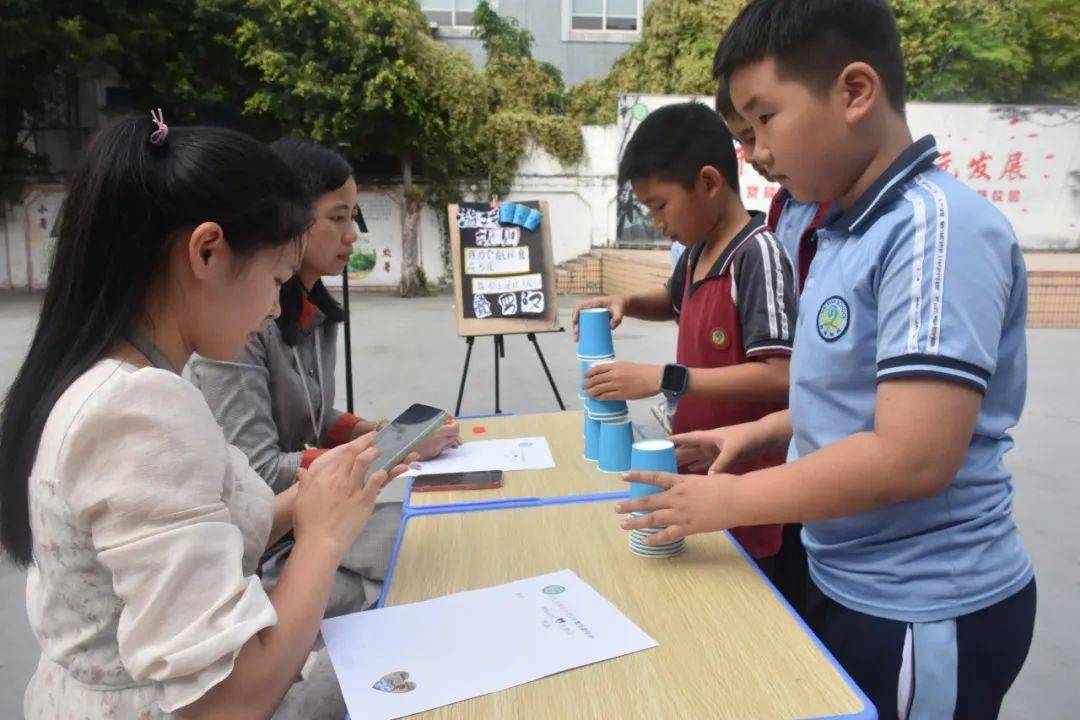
{"x":449,"y":13}
{"x":617,"y":15}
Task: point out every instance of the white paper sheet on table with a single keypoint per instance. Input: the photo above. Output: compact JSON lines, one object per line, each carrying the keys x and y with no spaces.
{"x":528,"y":453}
{"x":473,"y":643}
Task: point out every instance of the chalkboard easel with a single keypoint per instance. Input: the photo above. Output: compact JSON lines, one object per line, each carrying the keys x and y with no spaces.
{"x":504,"y":283}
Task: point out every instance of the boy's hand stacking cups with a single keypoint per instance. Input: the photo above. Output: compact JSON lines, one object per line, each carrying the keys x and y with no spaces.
{"x":605,"y":409}
{"x":651,"y":456}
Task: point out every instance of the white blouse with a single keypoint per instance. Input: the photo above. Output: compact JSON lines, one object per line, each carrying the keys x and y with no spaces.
{"x":147,"y":531}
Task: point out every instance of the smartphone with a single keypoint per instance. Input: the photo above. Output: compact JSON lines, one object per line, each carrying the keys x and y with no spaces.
{"x":400,"y":437}
{"x":478,"y":480}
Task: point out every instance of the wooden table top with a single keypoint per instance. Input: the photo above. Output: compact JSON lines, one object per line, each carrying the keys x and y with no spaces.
{"x":572,"y":474}
{"x":728,"y":647}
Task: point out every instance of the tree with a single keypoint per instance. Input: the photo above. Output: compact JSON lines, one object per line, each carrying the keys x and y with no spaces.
{"x":957,"y":50}
{"x":368,"y":76}
{"x":964,"y":49}
{"x":46,"y":44}
{"x":38,"y":55}
{"x":1055,"y":73}
{"x":363,"y":75}
{"x":526,"y":102}
{"x":674,"y":56}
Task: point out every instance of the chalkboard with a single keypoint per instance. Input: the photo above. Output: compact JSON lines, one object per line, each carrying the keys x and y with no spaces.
{"x":504,"y":277}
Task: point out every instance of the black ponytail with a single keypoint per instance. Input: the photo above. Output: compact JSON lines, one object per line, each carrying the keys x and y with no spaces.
{"x":127,"y":200}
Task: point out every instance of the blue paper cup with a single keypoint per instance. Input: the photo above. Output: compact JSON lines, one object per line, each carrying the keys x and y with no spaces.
{"x":532,"y":222}
{"x":616,"y":437}
{"x":594,"y":333}
{"x":619,"y":417}
{"x":651,"y":455}
{"x":506,"y":213}
{"x":606,"y":409}
{"x":521,"y":214}
{"x":592,"y":439}
{"x":583,"y":367}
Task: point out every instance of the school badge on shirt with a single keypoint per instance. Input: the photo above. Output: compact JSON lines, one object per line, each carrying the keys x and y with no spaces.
{"x":719,"y":338}
{"x":833,"y":318}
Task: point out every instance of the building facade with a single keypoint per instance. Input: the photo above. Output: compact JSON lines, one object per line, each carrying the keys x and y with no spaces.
{"x":582,"y":38}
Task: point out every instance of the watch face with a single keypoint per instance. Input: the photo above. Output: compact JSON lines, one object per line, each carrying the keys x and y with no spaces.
{"x":674,"y":379}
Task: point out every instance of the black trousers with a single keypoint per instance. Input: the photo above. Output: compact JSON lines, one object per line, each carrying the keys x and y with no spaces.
{"x":959,"y":668}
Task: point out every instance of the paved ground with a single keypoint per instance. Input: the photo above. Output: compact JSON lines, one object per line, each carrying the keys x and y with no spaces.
{"x":408,"y":351}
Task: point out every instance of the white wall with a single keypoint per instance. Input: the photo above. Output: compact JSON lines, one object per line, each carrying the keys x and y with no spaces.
{"x":42,"y":208}
{"x":27,"y":247}
{"x":26,"y":244}
{"x":1040,"y":191}
{"x":383,"y":213}
{"x":5,"y":269}
{"x":1041,"y":199}
{"x":581,"y":197}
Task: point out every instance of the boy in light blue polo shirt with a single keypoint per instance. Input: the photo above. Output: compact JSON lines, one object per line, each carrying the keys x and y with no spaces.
{"x":908,"y":370}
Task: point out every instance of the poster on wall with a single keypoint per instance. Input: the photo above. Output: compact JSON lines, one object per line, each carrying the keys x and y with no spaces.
{"x":376,"y":258}
{"x":1024,"y":159}
{"x":42,"y":212}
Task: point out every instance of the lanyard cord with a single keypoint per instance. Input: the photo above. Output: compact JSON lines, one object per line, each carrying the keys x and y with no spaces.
{"x":150,"y":351}
{"x":316,"y":423}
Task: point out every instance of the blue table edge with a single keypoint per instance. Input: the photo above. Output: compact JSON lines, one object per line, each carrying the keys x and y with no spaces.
{"x":868,"y":711}
{"x":503,"y":503}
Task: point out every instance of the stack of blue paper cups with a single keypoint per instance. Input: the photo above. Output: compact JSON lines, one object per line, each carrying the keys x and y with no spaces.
{"x":521,"y":215}
{"x":659,"y":456}
{"x":608,"y":432}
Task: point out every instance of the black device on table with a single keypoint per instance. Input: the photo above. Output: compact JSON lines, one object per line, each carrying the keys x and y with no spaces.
{"x":477,"y":480}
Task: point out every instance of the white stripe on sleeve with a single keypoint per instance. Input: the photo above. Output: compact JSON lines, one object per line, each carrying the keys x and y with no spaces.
{"x":770,"y":298}
{"x":918,"y":210}
{"x":941,"y":246}
{"x":781,"y":311}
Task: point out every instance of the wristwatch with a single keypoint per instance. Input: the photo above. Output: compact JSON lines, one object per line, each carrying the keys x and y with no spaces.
{"x":673,"y":384}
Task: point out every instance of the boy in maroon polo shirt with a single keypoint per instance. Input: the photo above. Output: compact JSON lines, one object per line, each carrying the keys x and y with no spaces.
{"x":732,"y":293}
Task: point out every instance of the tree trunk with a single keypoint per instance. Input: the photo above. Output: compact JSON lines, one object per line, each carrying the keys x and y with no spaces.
{"x":410,"y":274}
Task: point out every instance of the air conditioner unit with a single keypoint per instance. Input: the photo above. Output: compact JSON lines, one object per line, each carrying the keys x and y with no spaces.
{"x":434,"y":27}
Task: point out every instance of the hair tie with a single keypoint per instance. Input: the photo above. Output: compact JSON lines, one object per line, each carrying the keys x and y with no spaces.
{"x":158,"y":136}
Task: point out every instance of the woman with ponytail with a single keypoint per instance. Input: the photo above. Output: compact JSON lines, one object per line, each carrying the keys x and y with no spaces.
{"x":142,"y":527}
